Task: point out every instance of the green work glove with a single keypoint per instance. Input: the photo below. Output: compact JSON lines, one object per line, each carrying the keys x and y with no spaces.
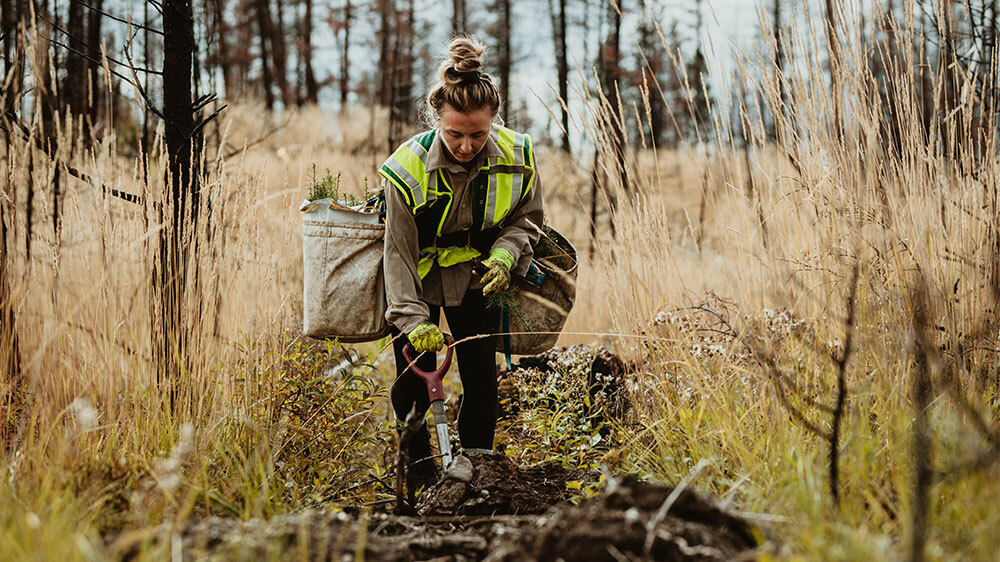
{"x":497,"y":279}
{"x":426,"y":337}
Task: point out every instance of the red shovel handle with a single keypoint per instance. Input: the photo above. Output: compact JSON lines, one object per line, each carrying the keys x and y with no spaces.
{"x":435,"y":390}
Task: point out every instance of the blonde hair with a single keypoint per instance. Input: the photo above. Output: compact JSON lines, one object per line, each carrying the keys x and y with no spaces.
{"x":462,"y":84}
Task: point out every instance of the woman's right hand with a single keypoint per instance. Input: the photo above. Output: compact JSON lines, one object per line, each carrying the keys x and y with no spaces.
{"x":426,"y":337}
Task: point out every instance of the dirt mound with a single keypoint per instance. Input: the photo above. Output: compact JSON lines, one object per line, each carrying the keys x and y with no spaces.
{"x":630,"y":520}
{"x":493,"y":484}
{"x":636,"y":520}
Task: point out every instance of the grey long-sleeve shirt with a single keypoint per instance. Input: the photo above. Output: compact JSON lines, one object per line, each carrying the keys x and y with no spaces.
{"x":408,"y":295}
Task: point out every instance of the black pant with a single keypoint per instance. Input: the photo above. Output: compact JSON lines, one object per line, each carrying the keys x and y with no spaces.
{"x":477,"y":367}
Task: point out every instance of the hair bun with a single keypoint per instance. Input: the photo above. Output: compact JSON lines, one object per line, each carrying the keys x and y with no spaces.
{"x":463,"y":83}
{"x":465,"y":55}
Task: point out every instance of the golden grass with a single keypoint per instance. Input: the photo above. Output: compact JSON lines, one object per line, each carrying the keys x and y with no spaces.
{"x":98,"y":447}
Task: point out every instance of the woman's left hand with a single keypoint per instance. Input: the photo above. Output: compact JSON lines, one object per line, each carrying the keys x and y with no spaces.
{"x":497,"y":279}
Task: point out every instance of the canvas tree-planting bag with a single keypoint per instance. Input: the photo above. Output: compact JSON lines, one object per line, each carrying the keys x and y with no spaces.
{"x":537,"y":313}
{"x":343,"y":290}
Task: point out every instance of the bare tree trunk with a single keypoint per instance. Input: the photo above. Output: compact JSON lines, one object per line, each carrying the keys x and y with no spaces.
{"x":562,"y":65}
{"x":264,"y":29}
{"x":386,"y":12}
{"x":222,"y":48}
{"x":458,"y":21}
{"x":779,"y":68}
{"x":833,"y":45}
{"x":74,"y":90}
{"x":312,"y":91}
{"x":402,"y":74}
{"x":280,"y":53}
{"x":93,"y":81}
{"x":611,"y":66}
{"x":181,"y":201}
{"x":503,"y":51}
{"x":345,"y":61}
{"x":8,"y":27}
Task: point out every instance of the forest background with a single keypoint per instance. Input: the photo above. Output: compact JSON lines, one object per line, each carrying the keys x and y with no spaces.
{"x":793,"y":240}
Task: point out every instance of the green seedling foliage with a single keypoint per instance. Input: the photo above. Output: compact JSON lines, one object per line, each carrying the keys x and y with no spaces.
{"x":332,"y":406}
{"x":549,"y":416}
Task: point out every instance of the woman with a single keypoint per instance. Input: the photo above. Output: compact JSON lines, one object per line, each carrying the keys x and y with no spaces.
{"x":466,"y":191}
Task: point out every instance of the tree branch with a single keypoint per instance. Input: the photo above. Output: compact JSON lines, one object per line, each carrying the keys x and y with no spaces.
{"x":116,"y":18}
{"x":12,"y":118}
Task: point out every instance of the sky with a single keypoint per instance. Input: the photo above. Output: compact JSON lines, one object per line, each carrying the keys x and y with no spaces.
{"x":727,"y":23}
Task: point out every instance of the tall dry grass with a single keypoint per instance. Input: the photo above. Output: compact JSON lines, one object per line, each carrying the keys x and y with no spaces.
{"x":764,"y":237}
{"x":739,"y":280}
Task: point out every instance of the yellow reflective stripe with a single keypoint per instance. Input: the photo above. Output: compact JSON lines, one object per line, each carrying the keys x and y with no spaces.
{"x":505,"y":140}
{"x":501,"y":197}
{"x":424,"y":266}
{"x":444,"y":257}
{"x":409,"y":165}
{"x":454,"y":256}
{"x":447,"y":207}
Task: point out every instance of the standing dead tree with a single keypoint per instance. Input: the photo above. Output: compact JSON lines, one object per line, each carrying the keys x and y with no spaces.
{"x":557,"y":12}
{"x":459,"y":22}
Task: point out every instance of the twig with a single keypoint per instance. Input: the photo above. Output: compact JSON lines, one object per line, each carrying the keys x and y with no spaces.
{"x":136,"y":83}
{"x":116,"y":18}
{"x":206,"y":120}
{"x":22,"y":130}
{"x":661,"y":513}
{"x":91,"y":47}
{"x":89,"y":58}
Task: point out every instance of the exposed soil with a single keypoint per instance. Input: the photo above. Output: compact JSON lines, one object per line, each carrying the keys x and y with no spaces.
{"x":494,"y":485}
{"x":501,"y":512}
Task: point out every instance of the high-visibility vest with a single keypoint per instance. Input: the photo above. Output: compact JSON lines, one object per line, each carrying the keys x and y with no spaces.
{"x":502,"y":183}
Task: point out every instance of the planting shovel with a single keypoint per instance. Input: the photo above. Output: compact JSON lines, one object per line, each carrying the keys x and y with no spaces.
{"x":435,"y":391}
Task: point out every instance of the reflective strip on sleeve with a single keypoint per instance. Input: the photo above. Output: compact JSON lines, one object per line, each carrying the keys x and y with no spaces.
{"x":491,"y":202}
{"x":411,"y":182}
{"x":418,"y":149}
{"x":518,"y":149}
{"x":515,"y":195}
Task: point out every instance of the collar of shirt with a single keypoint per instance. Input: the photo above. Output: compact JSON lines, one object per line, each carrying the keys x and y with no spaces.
{"x":436,"y":156}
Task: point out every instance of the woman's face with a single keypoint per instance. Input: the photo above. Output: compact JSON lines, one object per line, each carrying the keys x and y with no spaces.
{"x":464,"y":134}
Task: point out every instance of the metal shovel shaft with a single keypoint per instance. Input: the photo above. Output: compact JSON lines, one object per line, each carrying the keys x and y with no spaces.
{"x":441,"y":423}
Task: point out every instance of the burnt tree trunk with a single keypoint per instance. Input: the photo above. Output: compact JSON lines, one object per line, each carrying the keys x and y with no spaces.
{"x":263,"y":29}
{"x":504,"y":56}
{"x":562,"y":64}
{"x":833,"y":45}
{"x":93,"y":81}
{"x":779,"y":68}
{"x":402,"y":73}
{"x":181,"y":199}
{"x":345,"y":61}
{"x":312,"y":90}
{"x":458,"y":20}
{"x":612,"y":72}
{"x":279,"y":53}
{"x":386,"y":60}
{"x":74,"y":90}
{"x":222,"y":50}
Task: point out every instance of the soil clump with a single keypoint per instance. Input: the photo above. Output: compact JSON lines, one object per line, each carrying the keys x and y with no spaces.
{"x":487,"y":484}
